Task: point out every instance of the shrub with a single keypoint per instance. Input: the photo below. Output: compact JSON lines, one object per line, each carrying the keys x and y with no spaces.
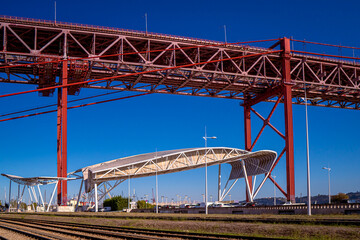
{"x":143,"y":205}
{"x":116,"y":203}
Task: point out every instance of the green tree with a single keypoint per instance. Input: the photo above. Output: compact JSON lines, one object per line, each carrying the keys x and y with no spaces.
{"x":116,"y":203}
{"x":340,"y":198}
{"x":23,"y":205}
{"x":143,"y":205}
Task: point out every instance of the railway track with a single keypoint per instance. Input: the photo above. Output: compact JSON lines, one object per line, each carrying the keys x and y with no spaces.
{"x":315,"y":221}
{"x":40,"y":229}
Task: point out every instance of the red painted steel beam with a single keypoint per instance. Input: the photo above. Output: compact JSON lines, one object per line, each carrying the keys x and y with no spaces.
{"x":274,"y":45}
{"x":247,"y":126}
{"x":264,"y":96}
{"x":59,"y":162}
{"x":62,"y":137}
{"x":131,"y":53}
{"x":137,"y":73}
{"x":64,"y":96}
{"x":278,"y":186}
{"x":289,"y":133}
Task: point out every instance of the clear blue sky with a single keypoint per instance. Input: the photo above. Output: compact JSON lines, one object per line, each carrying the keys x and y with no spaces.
{"x":140,"y":125}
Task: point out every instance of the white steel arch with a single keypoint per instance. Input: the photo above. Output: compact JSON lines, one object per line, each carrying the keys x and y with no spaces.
{"x":243,"y":164}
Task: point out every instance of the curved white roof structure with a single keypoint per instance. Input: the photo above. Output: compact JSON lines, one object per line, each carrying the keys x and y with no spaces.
{"x":33,"y":181}
{"x":179,"y":160}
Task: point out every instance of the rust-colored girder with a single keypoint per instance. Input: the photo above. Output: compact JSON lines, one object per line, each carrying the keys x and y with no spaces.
{"x":62,"y":137}
{"x":289,"y":133}
{"x":247,"y":122}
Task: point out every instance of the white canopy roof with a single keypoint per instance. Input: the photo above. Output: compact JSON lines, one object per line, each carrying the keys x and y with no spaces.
{"x":33,"y":181}
{"x":163,"y":162}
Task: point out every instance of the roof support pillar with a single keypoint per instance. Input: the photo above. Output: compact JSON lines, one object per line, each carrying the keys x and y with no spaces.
{"x":18,"y":198}
{"x":41,"y":198}
{"x":219,"y":183}
{"x":248,"y":188}
{"x":79,"y":195}
{"x":31,"y":199}
{"x":96,"y":198}
{"x":52,"y":195}
{"x":10,"y":195}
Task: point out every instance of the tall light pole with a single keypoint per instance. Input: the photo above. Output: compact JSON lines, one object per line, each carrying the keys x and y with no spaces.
{"x":307,"y":157}
{"x":307,"y":154}
{"x":206,"y":138}
{"x":129,"y":194}
{"x":146,"y":24}
{"x":274,"y":191}
{"x":328,"y":169}
{"x":156,"y":186}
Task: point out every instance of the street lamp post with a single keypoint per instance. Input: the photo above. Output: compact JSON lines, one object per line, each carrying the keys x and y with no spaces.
{"x":206,"y":138}
{"x":146,"y":200}
{"x":156,"y":186}
{"x":328,"y":169}
{"x":274,"y":191}
{"x":307,"y":154}
{"x":307,"y":157}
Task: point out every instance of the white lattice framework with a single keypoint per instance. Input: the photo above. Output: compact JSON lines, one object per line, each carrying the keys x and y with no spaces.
{"x":97,"y":177}
{"x":31,"y":184}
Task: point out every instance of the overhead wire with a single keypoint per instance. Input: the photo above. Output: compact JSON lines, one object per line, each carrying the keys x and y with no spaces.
{"x":323,"y":44}
{"x":52,"y":105}
{"x":73,"y":107}
{"x":325,"y":55}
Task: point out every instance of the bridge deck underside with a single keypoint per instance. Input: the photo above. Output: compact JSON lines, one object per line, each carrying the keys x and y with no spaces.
{"x":331,"y":82}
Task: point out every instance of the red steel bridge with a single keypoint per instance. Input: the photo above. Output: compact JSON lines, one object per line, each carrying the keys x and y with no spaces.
{"x":65,"y":57}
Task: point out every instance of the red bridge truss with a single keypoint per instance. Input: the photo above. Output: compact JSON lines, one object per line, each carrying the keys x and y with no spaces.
{"x":68,"y":57}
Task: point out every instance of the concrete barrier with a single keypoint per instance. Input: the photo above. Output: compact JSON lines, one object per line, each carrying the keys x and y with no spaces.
{"x":65,"y":208}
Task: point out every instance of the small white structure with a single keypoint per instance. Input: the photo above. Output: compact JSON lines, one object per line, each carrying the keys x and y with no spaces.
{"x":32,"y":183}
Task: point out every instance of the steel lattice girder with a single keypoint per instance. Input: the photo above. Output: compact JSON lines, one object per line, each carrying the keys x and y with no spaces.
{"x":334,"y":82}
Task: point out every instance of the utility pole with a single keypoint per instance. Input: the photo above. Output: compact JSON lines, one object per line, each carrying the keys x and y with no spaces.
{"x":328,"y":169}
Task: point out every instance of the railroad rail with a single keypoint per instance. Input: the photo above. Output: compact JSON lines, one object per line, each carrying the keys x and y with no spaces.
{"x":269,"y":220}
{"x":106,"y":232}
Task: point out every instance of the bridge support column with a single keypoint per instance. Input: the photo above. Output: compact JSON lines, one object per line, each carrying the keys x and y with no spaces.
{"x":284,"y":91}
{"x":247,"y":123}
{"x":96,"y":197}
{"x":62,"y":137}
{"x":289,"y":133}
